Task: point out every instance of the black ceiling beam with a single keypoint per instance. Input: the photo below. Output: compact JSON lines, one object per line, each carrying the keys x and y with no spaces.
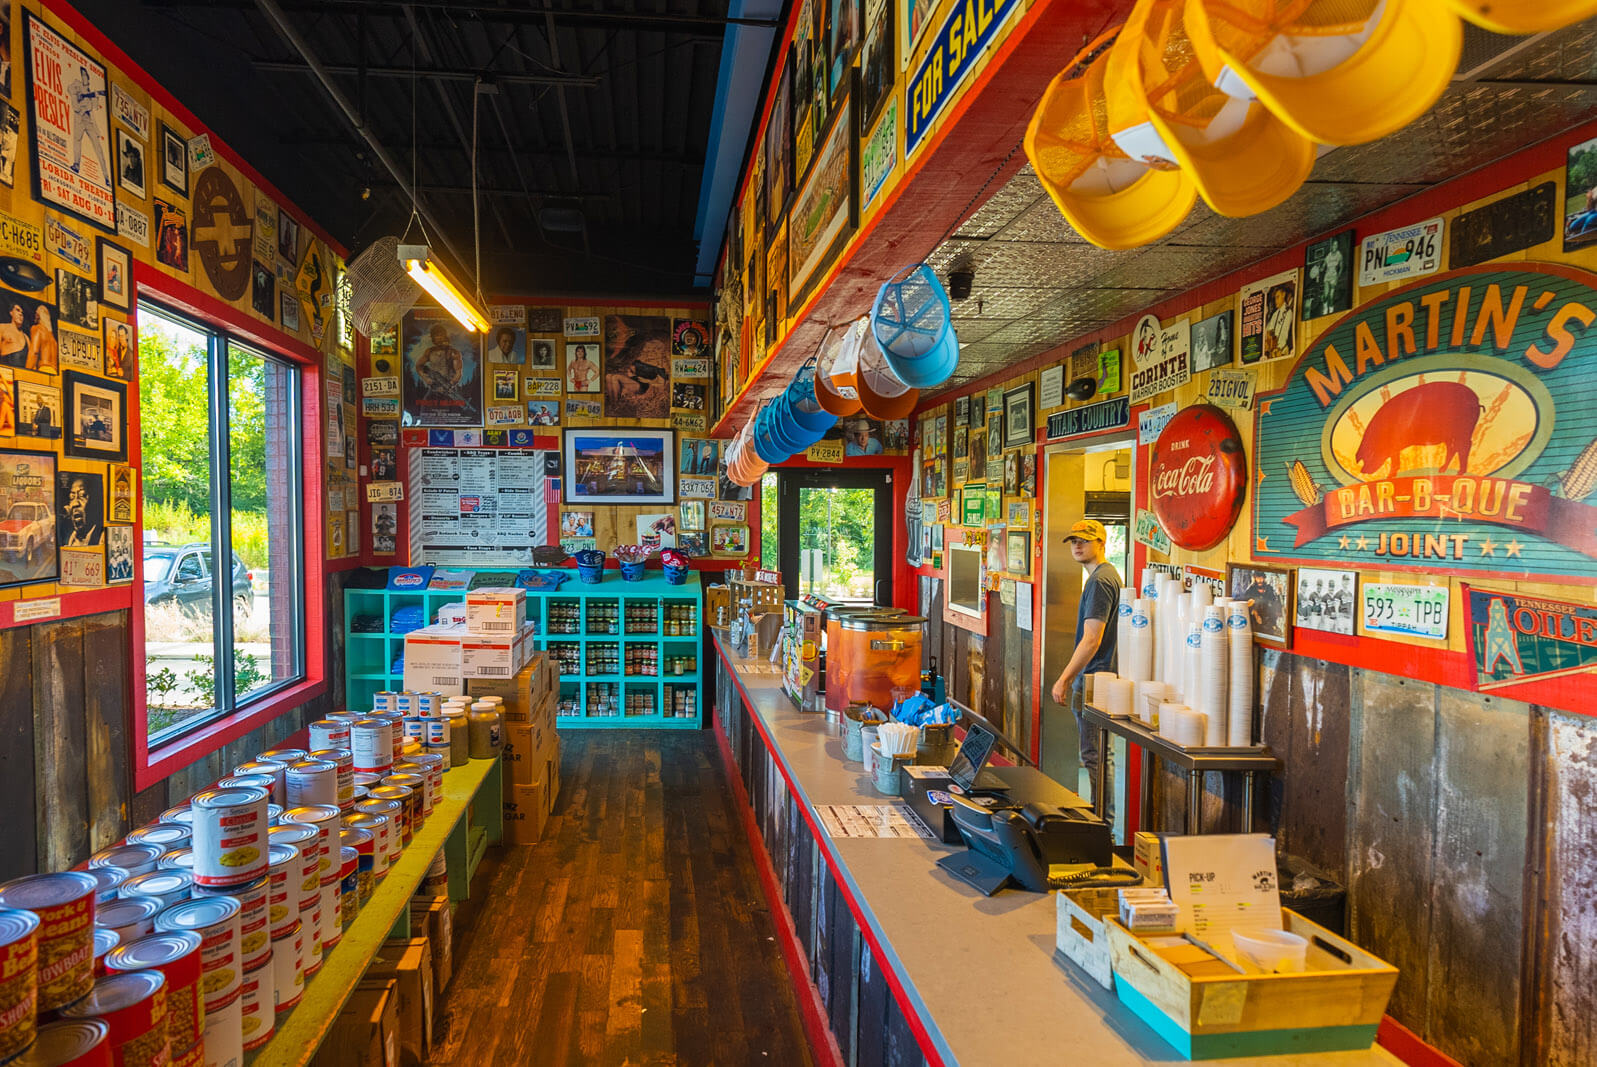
{"x":602,"y":155}
{"x":496,"y":191}
{"x":574,"y":81}
{"x":526,"y":14}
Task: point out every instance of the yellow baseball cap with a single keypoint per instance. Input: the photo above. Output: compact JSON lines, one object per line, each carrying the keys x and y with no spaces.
{"x":1335,"y":71}
{"x":1087,"y":530}
{"x":1162,"y":110}
{"x":1523,"y":16}
{"x":1111,"y":199}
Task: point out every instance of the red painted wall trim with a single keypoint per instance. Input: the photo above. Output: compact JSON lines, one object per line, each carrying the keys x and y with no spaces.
{"x":114,"y":56}
{"x":823,"y":1043}
{"x":912,"y":1017}
{"x":1403,"y":1043}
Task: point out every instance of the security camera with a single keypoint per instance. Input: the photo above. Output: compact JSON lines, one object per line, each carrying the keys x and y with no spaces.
{"x":959,"y":283}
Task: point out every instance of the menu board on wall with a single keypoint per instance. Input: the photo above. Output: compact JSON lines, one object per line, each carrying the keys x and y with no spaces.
{"x":475,"y":506}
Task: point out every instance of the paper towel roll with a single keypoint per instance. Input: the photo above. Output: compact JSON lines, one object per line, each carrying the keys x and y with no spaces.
{"x":1118,"y":694}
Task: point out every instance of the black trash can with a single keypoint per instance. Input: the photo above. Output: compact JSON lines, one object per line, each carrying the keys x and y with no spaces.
{"x":1313,"y":894}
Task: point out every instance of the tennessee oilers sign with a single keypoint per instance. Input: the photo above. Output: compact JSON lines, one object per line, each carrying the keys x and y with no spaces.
{"x":1448,"y":426}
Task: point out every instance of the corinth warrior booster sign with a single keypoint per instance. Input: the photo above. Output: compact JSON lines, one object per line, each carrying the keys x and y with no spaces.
{"x":1448,"y":426}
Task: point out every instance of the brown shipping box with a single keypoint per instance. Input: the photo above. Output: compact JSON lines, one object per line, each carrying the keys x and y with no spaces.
{"x":366,"y":1032}
{"x":527,"y":748}
{"x":410,"y":964}
{"x":430,"y":915}
{"x":526,"y":811}
{"x":528,"y":695}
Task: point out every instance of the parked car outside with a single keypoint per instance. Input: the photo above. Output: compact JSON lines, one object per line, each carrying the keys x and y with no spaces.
{"x":181,"y":575}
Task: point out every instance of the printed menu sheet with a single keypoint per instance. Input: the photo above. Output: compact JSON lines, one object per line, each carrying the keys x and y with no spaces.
{"x":475,"y":506}
{"x":871,"y":820}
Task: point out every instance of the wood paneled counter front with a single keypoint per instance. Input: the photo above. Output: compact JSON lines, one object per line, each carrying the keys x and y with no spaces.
{"x":909,"y":965}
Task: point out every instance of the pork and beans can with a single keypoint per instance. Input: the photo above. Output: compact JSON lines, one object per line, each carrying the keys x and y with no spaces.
{"x":376,"y":828}
{"x":229,"y":836}
{"x":131,"y":917}
{"x":328,"y":733}
{"x":259,"y":1013}
{"x":417,"y":784}
{"x":64,"y":903}
{"x":70,"y":1043}
{"x":133,"y":1005}
{"x":344,"y":760}
{"x":19,"y":980}
{"x":254,"y":935}
{"x":104,"y":941}
{"x":216,"y":920}
{"x":372,"y":743}
{"x":390,"y":836}
{"x":312,"y":781}
{"x":177,"y":955}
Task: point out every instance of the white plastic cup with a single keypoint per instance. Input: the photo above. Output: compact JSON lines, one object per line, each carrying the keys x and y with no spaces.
{"x":1267,"y":951}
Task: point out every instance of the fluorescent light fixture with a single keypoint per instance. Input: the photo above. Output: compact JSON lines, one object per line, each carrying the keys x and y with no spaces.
{"x":431,"y":277}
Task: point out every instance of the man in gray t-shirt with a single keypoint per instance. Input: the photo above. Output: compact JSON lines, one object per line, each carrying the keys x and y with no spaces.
{"x":1095,"y":630}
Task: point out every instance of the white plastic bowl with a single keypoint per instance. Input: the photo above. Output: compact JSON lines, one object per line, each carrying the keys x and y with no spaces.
{"x":1266,"y":951}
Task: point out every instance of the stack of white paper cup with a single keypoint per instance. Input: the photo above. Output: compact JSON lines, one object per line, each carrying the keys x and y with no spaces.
{"x":1239,"y":633}
{"x":1140,"y":645}
{"x":1117,"y":697}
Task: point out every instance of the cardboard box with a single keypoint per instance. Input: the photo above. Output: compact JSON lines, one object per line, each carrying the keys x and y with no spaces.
{"x":528,"y":694}
{"x":366,"y":1032}
{"x":498,"y":609}
{"x":433,"y":659}
{"x":526,"y":812}
{"x":1147,"y":856}
{"x":432,"y":916}
{"x":525,"y":746}
{"x":409,"y":963}
{"x":551,"y":779}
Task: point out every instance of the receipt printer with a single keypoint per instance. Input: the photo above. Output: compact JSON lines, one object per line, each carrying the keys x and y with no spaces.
{"x":1019,"y":844}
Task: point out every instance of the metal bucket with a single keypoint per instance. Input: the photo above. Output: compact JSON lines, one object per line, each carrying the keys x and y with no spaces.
{"x":887,"y":779}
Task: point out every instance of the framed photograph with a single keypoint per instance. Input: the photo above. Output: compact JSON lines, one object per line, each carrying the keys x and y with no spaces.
{"x":1268,"y":591}
{"x":729,"y":539}
{"x":10,"y":139}
{"x":1328,"y":276}
{"x":700,"y":456}
{"x":978,"y":449}
{"x":124,"y":482}
{"x":79,"y":509}
{"x":543,"y":413}
{"x":1326,"y":600}
{"x":38,"y":411}
{"x":582,"y":368}
{"x":878,"y":64}
{"x":619,"y":466}
{"x":171,"y":235}
{"x":995,"y":437}
{"x":691,"y":514}
{"x":505,"y":385}
{"x":96,"y":412}
{"x":506,"y":344}
{"x":77,"y":300}
{"x":1011,"y":473}
{"x":825,"y":208}
{"x":118,"y":347}
{"x":543,"y":353}
{"x":1018,"y":431}
{"x":130,"y":165}
{"x":1017,"y":547}
{"x":116,"y":274}
{"x":637,"y":367}
{"x":288,"y":236}
{"x":27,"y":500}
{"x":263,"y":288}
{"x":1212,"y":342}
{"x":70,"y":131}
{"x":118,"y":555}
{"x":175,"y":165}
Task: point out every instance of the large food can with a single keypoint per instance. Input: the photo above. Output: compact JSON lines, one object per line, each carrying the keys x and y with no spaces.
{"x":19,"y":980}
{"x":437,"y":733}
{"x":168,"y":835}
{"x":348,"y":885}
{"x":307,"y":882}
{"x":387,"y":700}
{"x":135,"y":859}
{"x":229,"y":836}
{"x":285,"y":756}
{"x":244,"y":781}
{"x":344,"y":760}
{"x":130,"y":917}
{"x":432,"y":765}
{"x":224,"y":1033}
{"x":133,"y":1005}
{"x":194,"y":1057}
{"x":276,"y":768}
{"x":216,"y":920}
{"x":416,"y":729}
{"x":417,"y":784}
{"x":312,"y":781}
{"x":368,"y":778}
{"x":168,"y":887}
{"x":254,"y":933}
{"x":178,"y":956}
{"x":410,"y":808}
{"x":179,"y":859}
{"x":394,"y":812}
{"x":179,"y":814}
{"x":378,"y":826}
{"x":365,"y":878}
{"x":108,"y":882}
{"x":104,"y":941}
{"x":70,"y":1043}
{"x":288,"y":968}
{"x":328,"y":733}
{"x":259,"y":1014}
{"x":372,"y":742}
{"x":64,"y":903}
{"x":282,"y":899}
{"x":325,"y":818}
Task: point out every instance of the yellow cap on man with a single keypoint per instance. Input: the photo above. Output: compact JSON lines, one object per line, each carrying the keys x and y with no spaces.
{"x":1087,"y":530}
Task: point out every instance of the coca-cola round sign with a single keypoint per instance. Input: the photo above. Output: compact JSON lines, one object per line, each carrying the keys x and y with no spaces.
{"x":1197,"y":477}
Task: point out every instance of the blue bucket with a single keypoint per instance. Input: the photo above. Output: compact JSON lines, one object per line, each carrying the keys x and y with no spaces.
{"x":633,"y":572}
{"x":590,"y":575}
{"x":676,"y":575}
{"x":912,"y":323}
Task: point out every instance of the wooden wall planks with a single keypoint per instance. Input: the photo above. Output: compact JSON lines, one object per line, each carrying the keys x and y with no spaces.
{"x":18,"y":839}
{"x":1566,"y":966}
{"x":59,"y":757}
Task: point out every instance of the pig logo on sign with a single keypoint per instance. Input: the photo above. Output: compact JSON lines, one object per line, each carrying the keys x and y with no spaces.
{"x":1428,"y":415}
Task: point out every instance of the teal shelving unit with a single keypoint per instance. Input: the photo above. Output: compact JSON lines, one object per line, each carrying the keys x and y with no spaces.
{"x":607,"y":638}
{"x":369,"y":658}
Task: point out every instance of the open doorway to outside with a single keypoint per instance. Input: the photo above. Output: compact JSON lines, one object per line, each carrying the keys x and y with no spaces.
{"x":1091,"y":482}
{"x":829,"y":532}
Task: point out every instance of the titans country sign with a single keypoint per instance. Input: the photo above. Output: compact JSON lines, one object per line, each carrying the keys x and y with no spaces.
{"x":1448,"y":426}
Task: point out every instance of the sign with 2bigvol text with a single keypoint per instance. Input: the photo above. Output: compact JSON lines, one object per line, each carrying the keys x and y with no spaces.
{"x":1448,"y":426}
{"x":963,"y":37}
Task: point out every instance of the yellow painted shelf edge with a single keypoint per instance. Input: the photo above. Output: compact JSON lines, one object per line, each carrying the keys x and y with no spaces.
{"x":302,"y":1032}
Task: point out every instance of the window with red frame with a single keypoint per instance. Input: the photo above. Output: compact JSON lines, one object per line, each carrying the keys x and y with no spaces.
{"x":223,"y":523}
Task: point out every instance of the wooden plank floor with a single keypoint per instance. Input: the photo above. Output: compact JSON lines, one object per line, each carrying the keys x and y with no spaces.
{"x":635,"y":932}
